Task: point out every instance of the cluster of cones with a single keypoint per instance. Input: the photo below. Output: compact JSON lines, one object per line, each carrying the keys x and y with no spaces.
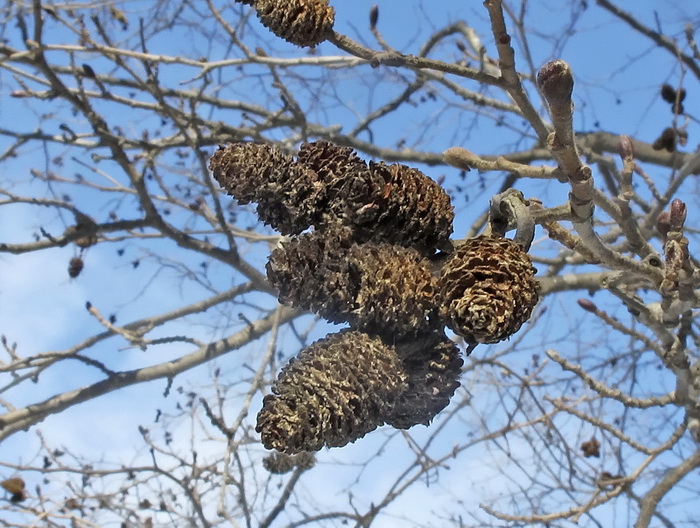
{"x":369,"y":262}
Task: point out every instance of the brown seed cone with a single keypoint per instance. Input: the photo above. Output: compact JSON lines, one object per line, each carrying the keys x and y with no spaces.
{"x":377,"y":288}
{"x":433,"y":377}
{"x":337,"y":390}
{"x":487,"y":289}
{"x":281,"y":463}
{"x":311,"y":271}
{"x":388,"y":203}
{"x":397,"y":294}
{"x":409,"y":209}
{"x":301,"y":22}
{"x":336,"y":167}
{"x":286,"y":192}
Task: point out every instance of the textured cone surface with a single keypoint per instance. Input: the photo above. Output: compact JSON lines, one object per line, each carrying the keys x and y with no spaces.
{"x":487,"y":289}
{"x":285,"y":191}
{"x":336,"y":168}
{"x":301,"y":22}
{"x":336,"y":391}
{"x":388,"y":203}
{"x":376,"y":288}
{"x":311,"y":271}
{"x":397,"y":294}
{"x":411,"y":209}
{"x":281,"y":463}
{"x":433,"y":377}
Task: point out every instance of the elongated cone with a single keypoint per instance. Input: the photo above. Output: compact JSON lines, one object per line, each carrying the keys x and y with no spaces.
{"x":487,"y":289}
{"x":393,"y":203}
{"x":329,"y":186}
{"x":433,"y":376}
{"x":336,"y":391}
{"x":301,"y":22}
{"x":378,"y":288}
{"x":285,"y":191}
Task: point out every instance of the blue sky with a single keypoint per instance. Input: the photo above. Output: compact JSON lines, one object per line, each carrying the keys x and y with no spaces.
{"x":617,"y":79}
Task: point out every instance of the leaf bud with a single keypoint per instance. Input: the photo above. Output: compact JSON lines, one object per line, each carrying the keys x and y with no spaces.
{"x":556,"y":81}
{"x":587,"y":305}
{"x":625,"y":147}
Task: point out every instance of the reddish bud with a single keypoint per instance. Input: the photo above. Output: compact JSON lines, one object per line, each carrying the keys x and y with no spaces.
{"x":625,"y":147}
{"x":678,"y":214}
{"x":663,"y":223}
{"x":373,"y":16}
{"x":556,"y":81}
{"x":587,"y":305}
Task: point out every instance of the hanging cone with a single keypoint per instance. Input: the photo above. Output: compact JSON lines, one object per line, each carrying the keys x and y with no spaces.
{"x":433,"y":377}
{"x":337,"y":390}
{"x":377,"y":288}
{"x":285,"y":191}
{"x":301,"y":22}
{"x":487,"y":289}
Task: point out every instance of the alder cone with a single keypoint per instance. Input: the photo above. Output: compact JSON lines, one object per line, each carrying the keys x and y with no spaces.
{"x":336,"y":391}
{"x":301,"y":22}
{"x":397,"y":294}
{"x":285,"y":191}
{"x":487,"y":289}
{"x":433,"y":377}
{"x":337,"y":168}
{"x":377,"y":288}
{"x":311,"y":271}
{"x":410,"y":210}
{"x":394,"y":203}
{"x":281,"y":463}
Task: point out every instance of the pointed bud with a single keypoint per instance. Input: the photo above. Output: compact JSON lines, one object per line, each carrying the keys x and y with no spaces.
{"x":587,"y":305}
{"x":678,"y":214}
{"x":373,"y":16}
{"x":625,"y":147}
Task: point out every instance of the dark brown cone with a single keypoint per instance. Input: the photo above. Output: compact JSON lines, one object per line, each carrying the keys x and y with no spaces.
{"x":311,"y":271}
{"x":667,"y":140}
{"x":383,"y":203}
{"x":487,"y":289}
{"x":281,"y":463}
{"x":337,"y":390}
{"x":301,"y":22}
{"x":285,"y":191}
{"x":377,"y":288}
{"x":433,"y":377}
{"x":344,"y":176}
{"x":397,"y":294}
{"x":411,"y":210}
